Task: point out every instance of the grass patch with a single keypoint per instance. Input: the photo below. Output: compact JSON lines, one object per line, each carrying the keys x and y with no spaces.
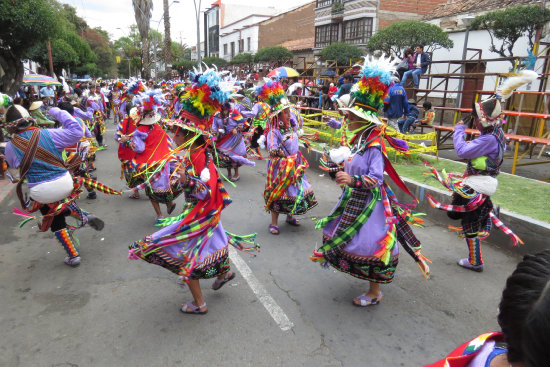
{"x":514,"y":193}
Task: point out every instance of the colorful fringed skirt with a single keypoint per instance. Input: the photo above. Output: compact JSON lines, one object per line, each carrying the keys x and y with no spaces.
{"x":212,"y":260}
{"x":164,"y":195}
{"x":287,"y":189}
{"x":356,"y":256}
{"x":231,"y":152}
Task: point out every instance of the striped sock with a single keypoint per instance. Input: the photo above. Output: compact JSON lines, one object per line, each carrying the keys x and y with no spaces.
{"x":474,"y":251}
{"x":67,"y":241}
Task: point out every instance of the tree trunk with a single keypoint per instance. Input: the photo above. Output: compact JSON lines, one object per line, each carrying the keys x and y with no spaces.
{"x":145,"y":71}
{"x":13,"y":69}
{"x":167,"y":44}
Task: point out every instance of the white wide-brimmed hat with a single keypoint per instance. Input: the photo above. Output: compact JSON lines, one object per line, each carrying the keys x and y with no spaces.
{"x":36,"y":105}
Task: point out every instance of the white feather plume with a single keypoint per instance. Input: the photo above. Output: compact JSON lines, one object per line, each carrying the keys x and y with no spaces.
{"x":516,"y":81}
{"x":205,"y":175}
{"x":339,"y":155}
{"x":261,"y":141}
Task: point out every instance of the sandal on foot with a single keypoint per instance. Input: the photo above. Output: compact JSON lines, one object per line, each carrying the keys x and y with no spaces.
{"x":134,"y":196}
{"x":235,"y":178}
{"x":293,"y":221}
{"x":218,"y":283}
{"x":273,"y":229}
{"x":190,"y":308}
{"x":365,"y":301}
{"x":171,"y":208}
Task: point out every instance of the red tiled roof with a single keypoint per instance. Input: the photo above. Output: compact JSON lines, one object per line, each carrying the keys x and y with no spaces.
{"x":455,"y":7}
{"x":299,"y":44}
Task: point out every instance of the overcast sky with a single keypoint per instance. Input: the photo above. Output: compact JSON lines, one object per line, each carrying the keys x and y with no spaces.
{"x":113,"y":14}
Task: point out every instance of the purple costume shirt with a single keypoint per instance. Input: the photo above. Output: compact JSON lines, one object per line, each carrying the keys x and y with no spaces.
{"x":234,"y":147}
{"x":62,"y":138}
{"x":289,"y":147}
{"x":365,"y":242}
{"x":486,"y":144}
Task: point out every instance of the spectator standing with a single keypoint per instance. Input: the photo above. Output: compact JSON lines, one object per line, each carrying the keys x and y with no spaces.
{"x":421,"y":62}
{"x":396,"y":105}
{"x":325,"y":102}
{"x":47,"y":92}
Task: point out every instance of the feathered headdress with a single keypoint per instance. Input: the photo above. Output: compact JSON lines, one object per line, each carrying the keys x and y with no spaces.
{"x":271,"y":92}
{"x":178,"y":87}
{"x":203,"y":99}
{"x":488,"y":111}
{"x":368,"y":94}
{"x":147,"y":105}
{"x":375,"y":79}
{"x":136,"y":88}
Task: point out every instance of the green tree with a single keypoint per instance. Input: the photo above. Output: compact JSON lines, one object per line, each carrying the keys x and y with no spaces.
{"x":394,"y":39}
{"x":214,"y":61}
{"x":183,"y":65}
{"x":98,"y":40}
{"x":510,"y":24}
{"x":341,"y":52}
{"x":273,"y":53}
{"x":244,"y":58}
{"x":69,"y":50}
{"x":23,"y":25}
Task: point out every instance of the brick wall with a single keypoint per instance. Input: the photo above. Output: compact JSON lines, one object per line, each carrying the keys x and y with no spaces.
{"x":291,"y":25}
{"x":418,"y":7}
{"x":391,"y":11}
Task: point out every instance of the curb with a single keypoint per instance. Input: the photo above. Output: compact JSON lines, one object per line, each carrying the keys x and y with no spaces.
{"x":533,"y":232}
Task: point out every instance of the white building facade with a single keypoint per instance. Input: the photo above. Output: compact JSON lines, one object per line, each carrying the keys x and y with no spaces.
{"x":240,"y":36}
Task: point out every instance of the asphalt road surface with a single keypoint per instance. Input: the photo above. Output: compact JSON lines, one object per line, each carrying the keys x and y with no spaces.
{"x":281,"y":309}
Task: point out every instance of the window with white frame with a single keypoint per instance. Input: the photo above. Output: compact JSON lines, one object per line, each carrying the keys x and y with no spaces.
{"x":225,"y":48}
{"x":248,"y":43}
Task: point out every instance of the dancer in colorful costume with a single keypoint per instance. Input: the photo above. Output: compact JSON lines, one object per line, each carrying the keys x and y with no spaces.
{"x":151,"y":163}
{"x":37,"y":153}
{"x":259,"y":113}
{"x":116,"y":95}
{"x":194,"y":244}
{"x":361,"y":233}
{"x":524,"y":317}
{"x":126,"y":155}
{"x":231,"y":150}
{"x":473,"y":189}
{"x":79,"y":156}
{"x":287,"y":190}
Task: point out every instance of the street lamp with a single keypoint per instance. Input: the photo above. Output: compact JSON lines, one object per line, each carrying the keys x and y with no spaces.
{"x":165,"y":15}
{"x":198,"y":12}
{"x":466,"y":21}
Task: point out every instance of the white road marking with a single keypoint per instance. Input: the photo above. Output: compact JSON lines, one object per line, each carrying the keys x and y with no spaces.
{"x":265,"y":298}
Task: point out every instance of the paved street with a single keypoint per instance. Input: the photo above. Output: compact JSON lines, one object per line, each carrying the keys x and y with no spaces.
{"x":281,"y":309}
